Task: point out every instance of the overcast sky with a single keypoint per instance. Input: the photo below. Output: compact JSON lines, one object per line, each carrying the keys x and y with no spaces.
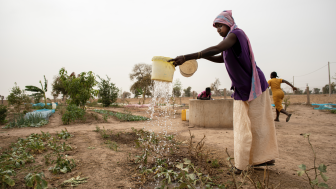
{"x":38,"y":37}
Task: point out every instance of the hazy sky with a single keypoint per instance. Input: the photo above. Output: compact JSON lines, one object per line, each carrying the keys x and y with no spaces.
{"x":38,"y":37}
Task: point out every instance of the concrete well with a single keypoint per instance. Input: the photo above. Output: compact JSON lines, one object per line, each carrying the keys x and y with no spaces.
{"x":216,"y":113}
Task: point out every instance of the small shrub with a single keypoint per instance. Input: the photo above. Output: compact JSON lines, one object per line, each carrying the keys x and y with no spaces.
{"x":333,"y":111}
{"x":36,"y":181}
{"x":113,"y":146}
{"x":35,"y":120}
{"x":3,"y":114}
{"x":72,"y":114}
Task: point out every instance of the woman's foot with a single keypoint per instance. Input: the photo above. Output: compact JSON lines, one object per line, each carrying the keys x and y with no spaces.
{"x":277,"y":120}
{"x":288,"y":117}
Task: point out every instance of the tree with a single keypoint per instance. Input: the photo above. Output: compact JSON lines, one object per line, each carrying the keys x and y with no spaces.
{"x":141,"y":73}
{"x":126,"y":94}
{"x":316,"y":90}
{"x":80,"y":88}
{"x":215,"y":87}
{"x":17,"y":97}
{"x":39,"y":92}
{"x":325,"y":89}
{"x":187,"y":91}
{"x":107,"y":91}
{"x":58,"y":87}
{"x":177,"y":88}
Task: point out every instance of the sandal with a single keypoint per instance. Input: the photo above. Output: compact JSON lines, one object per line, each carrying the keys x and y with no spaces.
{"x":268,"y":163}
{"x":235,"y":171}
{"x":288,"y":117}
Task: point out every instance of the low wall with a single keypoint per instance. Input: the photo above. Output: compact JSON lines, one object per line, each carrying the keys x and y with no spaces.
{"x":216,"y":113}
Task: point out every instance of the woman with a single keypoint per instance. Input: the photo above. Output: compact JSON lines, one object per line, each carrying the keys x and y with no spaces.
{"x":278,"y":94}
{"x":205,"y":95}
{"x":255,"y":141}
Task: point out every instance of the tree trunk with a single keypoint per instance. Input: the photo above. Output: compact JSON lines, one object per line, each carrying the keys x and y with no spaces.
{"x":45,"y":100}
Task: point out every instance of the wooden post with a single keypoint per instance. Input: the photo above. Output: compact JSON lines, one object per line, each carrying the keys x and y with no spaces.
{"x":193,"y":94}
{"x":308,"y":96}
{"x":224,"y":93}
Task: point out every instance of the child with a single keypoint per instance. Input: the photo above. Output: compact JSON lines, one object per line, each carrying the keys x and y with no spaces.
{"x":278,"y":94}
{"x":205,"y":95}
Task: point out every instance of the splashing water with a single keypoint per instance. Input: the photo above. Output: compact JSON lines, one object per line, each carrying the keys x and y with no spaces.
{"x":161,"y":112}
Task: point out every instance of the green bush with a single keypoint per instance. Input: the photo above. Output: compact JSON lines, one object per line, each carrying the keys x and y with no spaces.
{"x":108,"y":91}
{"x":36,"y":180}
{"x":333,"y":111}
{"x":72,"y":114}
{"x":3,"y":114}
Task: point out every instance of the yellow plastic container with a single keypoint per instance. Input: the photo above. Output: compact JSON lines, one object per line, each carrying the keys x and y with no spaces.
{"x":161,"y":69}
{"x":184,"y":115}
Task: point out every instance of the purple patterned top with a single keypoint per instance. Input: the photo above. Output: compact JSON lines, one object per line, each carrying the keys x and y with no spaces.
{"x":239,"y":67}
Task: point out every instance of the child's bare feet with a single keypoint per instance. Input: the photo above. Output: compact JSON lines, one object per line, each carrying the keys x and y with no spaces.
{"x":288,"y":117}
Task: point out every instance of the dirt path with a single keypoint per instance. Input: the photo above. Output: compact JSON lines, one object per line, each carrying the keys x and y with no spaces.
{"x":104,"y":166}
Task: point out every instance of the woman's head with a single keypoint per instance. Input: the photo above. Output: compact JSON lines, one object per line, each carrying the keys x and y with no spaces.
{"x":224,"y":23}
{"x":274,"y":75}
{"x":208,"y":90}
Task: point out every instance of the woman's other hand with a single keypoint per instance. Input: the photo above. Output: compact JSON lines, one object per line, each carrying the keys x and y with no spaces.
{"x":179,"y":60}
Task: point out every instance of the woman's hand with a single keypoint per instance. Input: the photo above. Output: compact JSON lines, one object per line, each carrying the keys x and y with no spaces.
{"x":179,"y":60}
{"x":294,"y":89}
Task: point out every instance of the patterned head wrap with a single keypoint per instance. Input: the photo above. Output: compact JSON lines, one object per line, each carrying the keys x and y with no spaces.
{"x":226,"y":18}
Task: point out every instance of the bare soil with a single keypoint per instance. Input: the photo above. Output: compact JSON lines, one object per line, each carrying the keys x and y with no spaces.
{"x":107,"y":168}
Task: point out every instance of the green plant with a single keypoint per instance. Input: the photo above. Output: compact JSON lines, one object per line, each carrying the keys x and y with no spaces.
{"x":113,"y":146}
{"x":287,"y":102}
{"x":47,"y":159}
{"x":72,"y":114}
{"x":127,"y":116}
{"x":105,"y":117}
{"x":333,"y":111}
{"x":314,"y":182}
{"x":36,"y":181}
{"x":62,"y":165}
{"x":64,"y":134}
{"x":5,"y":176}
{"x":80,"y":88}
{"x":97,"y":129}
{"x":215,"y":163}
{"x":3,"y":114}
{"x":39,"y":91}
{"x":108,"y":91}
{"x":103,"y":133}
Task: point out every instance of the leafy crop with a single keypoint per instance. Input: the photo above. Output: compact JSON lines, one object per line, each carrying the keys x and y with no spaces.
{"x":75,"y":181}
{"x":72,"y":114}
{"x":5,"y":179}
{"x":35,"y":120}
{"x":63,"y":165}
{"x":123,"y":116}
{"x":36,"y":181}
{"x":64,"y":134}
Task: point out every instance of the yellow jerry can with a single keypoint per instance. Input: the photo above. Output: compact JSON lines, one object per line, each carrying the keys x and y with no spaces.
{"x":183,"y":115}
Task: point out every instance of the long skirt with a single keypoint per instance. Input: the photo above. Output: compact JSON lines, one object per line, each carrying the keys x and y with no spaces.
{"x":254,"y":132}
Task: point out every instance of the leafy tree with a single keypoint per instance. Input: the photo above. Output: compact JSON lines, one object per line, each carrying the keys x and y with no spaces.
{"x":80,"y":88}
{"x":126,"y":94}
{"x":141,"y":73}
{"x":215,"y":87}
{"x":316,"y":90}
{"x":39,"y":92}
{"x":187,"y":91}
{"x":17,"y":97}
{"x":325,"y":89}
{"x":3,"y":114}
{"x":58,"y":87}
{"x":177,"y":88}
{"x":107,"y":91}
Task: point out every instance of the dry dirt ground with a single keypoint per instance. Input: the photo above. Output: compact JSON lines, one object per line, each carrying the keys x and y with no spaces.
{"x":110,"y":169}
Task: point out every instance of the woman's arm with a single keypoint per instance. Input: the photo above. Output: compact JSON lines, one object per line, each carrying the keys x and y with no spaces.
{"x":211,"y":51}
{"x":216,"y":59}
{"x":284,"y":81}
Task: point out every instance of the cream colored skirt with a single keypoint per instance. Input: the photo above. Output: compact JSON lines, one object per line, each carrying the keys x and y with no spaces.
{"x":254,"y":132}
